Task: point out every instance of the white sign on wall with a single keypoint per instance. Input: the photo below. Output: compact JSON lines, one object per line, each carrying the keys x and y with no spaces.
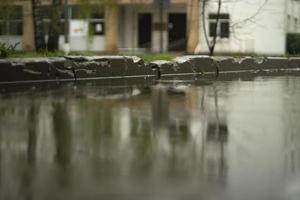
{"x":79,"y":28}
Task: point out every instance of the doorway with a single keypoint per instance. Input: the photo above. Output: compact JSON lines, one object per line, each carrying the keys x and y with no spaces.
{"x":177,"y":32}
{"x":145,"y":30}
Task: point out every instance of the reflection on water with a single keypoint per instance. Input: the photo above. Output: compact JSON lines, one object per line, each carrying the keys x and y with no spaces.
{"x":230,"y":140}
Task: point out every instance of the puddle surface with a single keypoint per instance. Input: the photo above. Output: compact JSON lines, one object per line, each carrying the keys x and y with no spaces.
{"x":234,"y":140}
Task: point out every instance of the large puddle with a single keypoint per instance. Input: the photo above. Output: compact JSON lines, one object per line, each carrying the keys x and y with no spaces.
{"x":232,"y":140}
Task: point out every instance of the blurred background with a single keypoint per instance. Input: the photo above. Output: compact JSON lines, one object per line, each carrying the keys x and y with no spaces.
{"x":223,"y":27}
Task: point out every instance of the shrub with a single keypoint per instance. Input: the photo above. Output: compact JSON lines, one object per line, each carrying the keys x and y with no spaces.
{"x":7,"y":49}
{"x":293,"y":44}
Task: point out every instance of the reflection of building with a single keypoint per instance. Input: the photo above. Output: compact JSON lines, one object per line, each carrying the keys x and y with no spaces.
{"x":131,"y":24}
{"x":155,"y":136}
{"x":292,"y":138}
{"x":239,"y":137}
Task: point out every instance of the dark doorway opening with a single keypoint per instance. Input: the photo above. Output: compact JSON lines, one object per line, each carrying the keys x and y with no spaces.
{"x":177,"y":32}
{"x":144,"y":30}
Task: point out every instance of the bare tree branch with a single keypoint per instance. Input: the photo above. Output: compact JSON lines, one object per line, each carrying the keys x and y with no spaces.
{"x":213,"y":44}
{"x":252,"y":17}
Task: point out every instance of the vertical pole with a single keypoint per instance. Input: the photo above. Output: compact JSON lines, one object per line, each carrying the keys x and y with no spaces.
{"x":161,"y":44}
{"x":66,"y":28}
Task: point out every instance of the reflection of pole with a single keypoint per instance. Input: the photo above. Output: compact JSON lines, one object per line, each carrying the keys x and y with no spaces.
{"x":66,"y":31}
{"x":161,"y":25}
{"x":217,"y":130}
{"x":133,"y":29}
{"x":32,"y":133}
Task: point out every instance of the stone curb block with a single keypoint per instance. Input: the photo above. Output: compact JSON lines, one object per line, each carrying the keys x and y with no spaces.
{"x":72,"y":68}
{"x":33,"y":69}
{"x":108,"y":66}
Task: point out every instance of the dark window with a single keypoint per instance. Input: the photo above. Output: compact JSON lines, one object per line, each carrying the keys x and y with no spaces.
{"x":15,"y":28}
{"x":212,"y":29}
{"x":222,"y":28}
{"x":11,"y":27}
{"x":11,"y":20}
{"x":46,"y":11}
{"x":97,"y":28}
{"x":2,"y":28}
{"x":97,"y":16}
{"x":11,"y":12}
{"x":221,"y":16}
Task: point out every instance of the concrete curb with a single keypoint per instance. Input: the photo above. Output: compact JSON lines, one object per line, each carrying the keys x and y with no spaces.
{"x":73,"y":68}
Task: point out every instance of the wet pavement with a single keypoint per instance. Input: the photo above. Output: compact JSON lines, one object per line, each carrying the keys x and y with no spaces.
{"x":187,"y":139}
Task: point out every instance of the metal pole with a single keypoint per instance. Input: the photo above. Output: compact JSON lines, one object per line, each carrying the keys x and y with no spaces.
{"x":66,"y":31}
{"x":161,"y":26}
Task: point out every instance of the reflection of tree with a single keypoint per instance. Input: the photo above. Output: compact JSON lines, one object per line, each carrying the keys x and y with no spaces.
{"x":62,"y":134}
{"x":32,"y":133}
{"x":28,"y":169}
{"x":93,"y":134}
{"x":217,"y":132}
{"x":62,"y":138}
{"x":89,"y":130}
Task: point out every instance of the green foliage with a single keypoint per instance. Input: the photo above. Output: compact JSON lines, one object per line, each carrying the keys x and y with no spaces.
{"x":293,"y":44}
{"x":7,"y":49}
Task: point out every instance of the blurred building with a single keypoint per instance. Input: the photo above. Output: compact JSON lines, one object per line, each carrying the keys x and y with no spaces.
{"x":128,"y":25}
{"x":244,"y":27}
{"x":250,"y":27}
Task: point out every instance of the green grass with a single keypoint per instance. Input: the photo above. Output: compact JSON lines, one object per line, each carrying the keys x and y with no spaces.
{"x":35,"y":54}
{"x":157,"y":56}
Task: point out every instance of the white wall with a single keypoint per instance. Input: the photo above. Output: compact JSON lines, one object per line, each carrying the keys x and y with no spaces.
{"x":12,"y":40}
{"x":257,"y":26}
{"x":293,"y":16}
{"x":84,"y":43}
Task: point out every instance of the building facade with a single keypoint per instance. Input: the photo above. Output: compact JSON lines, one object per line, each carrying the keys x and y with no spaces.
{"x":250,"y":27}
{"x":127,"y":25}
{"x":245,"y":27}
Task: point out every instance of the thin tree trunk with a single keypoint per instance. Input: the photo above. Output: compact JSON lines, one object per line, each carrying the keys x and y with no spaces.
{"x":55,"y":25}
{"x":204,"y":23}
{"x":39,"y":34}
{"x":214,"y":41}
